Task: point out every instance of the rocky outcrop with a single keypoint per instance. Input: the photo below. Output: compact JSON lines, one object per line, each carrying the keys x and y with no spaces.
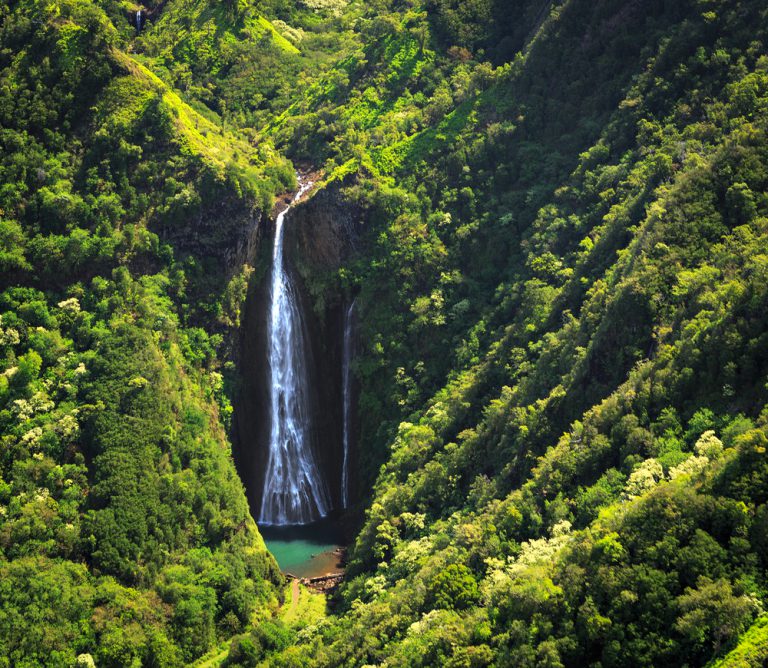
{"x":227,"y":233}
{"x":250,"y":229}
{"x":323,"y":233}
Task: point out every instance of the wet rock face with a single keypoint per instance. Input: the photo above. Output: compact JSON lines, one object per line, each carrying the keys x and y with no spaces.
{"x":250,"y":425}
{"x":324,"y":232}
{"x":320,"y":235}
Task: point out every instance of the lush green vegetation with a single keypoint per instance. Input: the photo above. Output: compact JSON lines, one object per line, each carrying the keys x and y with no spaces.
{"x":124,"y":530}
{"x":562,"y":282}
{"x":553,"y":266}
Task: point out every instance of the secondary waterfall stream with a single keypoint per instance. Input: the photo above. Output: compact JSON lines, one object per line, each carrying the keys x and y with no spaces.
{"x":294,"y":489}
{"x":346,"y":380}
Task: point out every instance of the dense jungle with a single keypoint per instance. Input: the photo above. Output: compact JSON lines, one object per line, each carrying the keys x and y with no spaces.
{"x":531,"y":265}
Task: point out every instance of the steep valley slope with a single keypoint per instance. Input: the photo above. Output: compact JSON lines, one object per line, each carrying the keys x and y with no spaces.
{"x":553,"y":218}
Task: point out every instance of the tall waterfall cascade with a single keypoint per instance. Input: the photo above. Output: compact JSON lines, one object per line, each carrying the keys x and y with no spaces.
{"x":294,"y":489}
{"x":346,"y":381}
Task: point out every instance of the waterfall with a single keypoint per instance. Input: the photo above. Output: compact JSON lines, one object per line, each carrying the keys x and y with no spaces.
{"x":138,"y":21}
{"x":294,"y":490}
{"x":346,"y":382}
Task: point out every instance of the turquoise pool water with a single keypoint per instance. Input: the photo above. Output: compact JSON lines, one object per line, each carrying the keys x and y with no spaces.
{"x":304,"y":551}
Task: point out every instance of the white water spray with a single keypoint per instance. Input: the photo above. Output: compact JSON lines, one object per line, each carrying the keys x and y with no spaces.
{"x":346,"y":382}
{"x":294,"y":490}
{"x":138,"y":21}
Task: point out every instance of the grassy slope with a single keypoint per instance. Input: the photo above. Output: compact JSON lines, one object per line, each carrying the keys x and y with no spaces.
{"x":751,"y":651}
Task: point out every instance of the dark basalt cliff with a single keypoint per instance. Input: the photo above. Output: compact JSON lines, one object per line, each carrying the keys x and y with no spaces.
{"x":225,"y":233}
{"x":323,"y":232}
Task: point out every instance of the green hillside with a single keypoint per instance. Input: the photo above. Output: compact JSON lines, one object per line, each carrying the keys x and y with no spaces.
{"x":125,"y":532}
{"x":561,"y":279}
